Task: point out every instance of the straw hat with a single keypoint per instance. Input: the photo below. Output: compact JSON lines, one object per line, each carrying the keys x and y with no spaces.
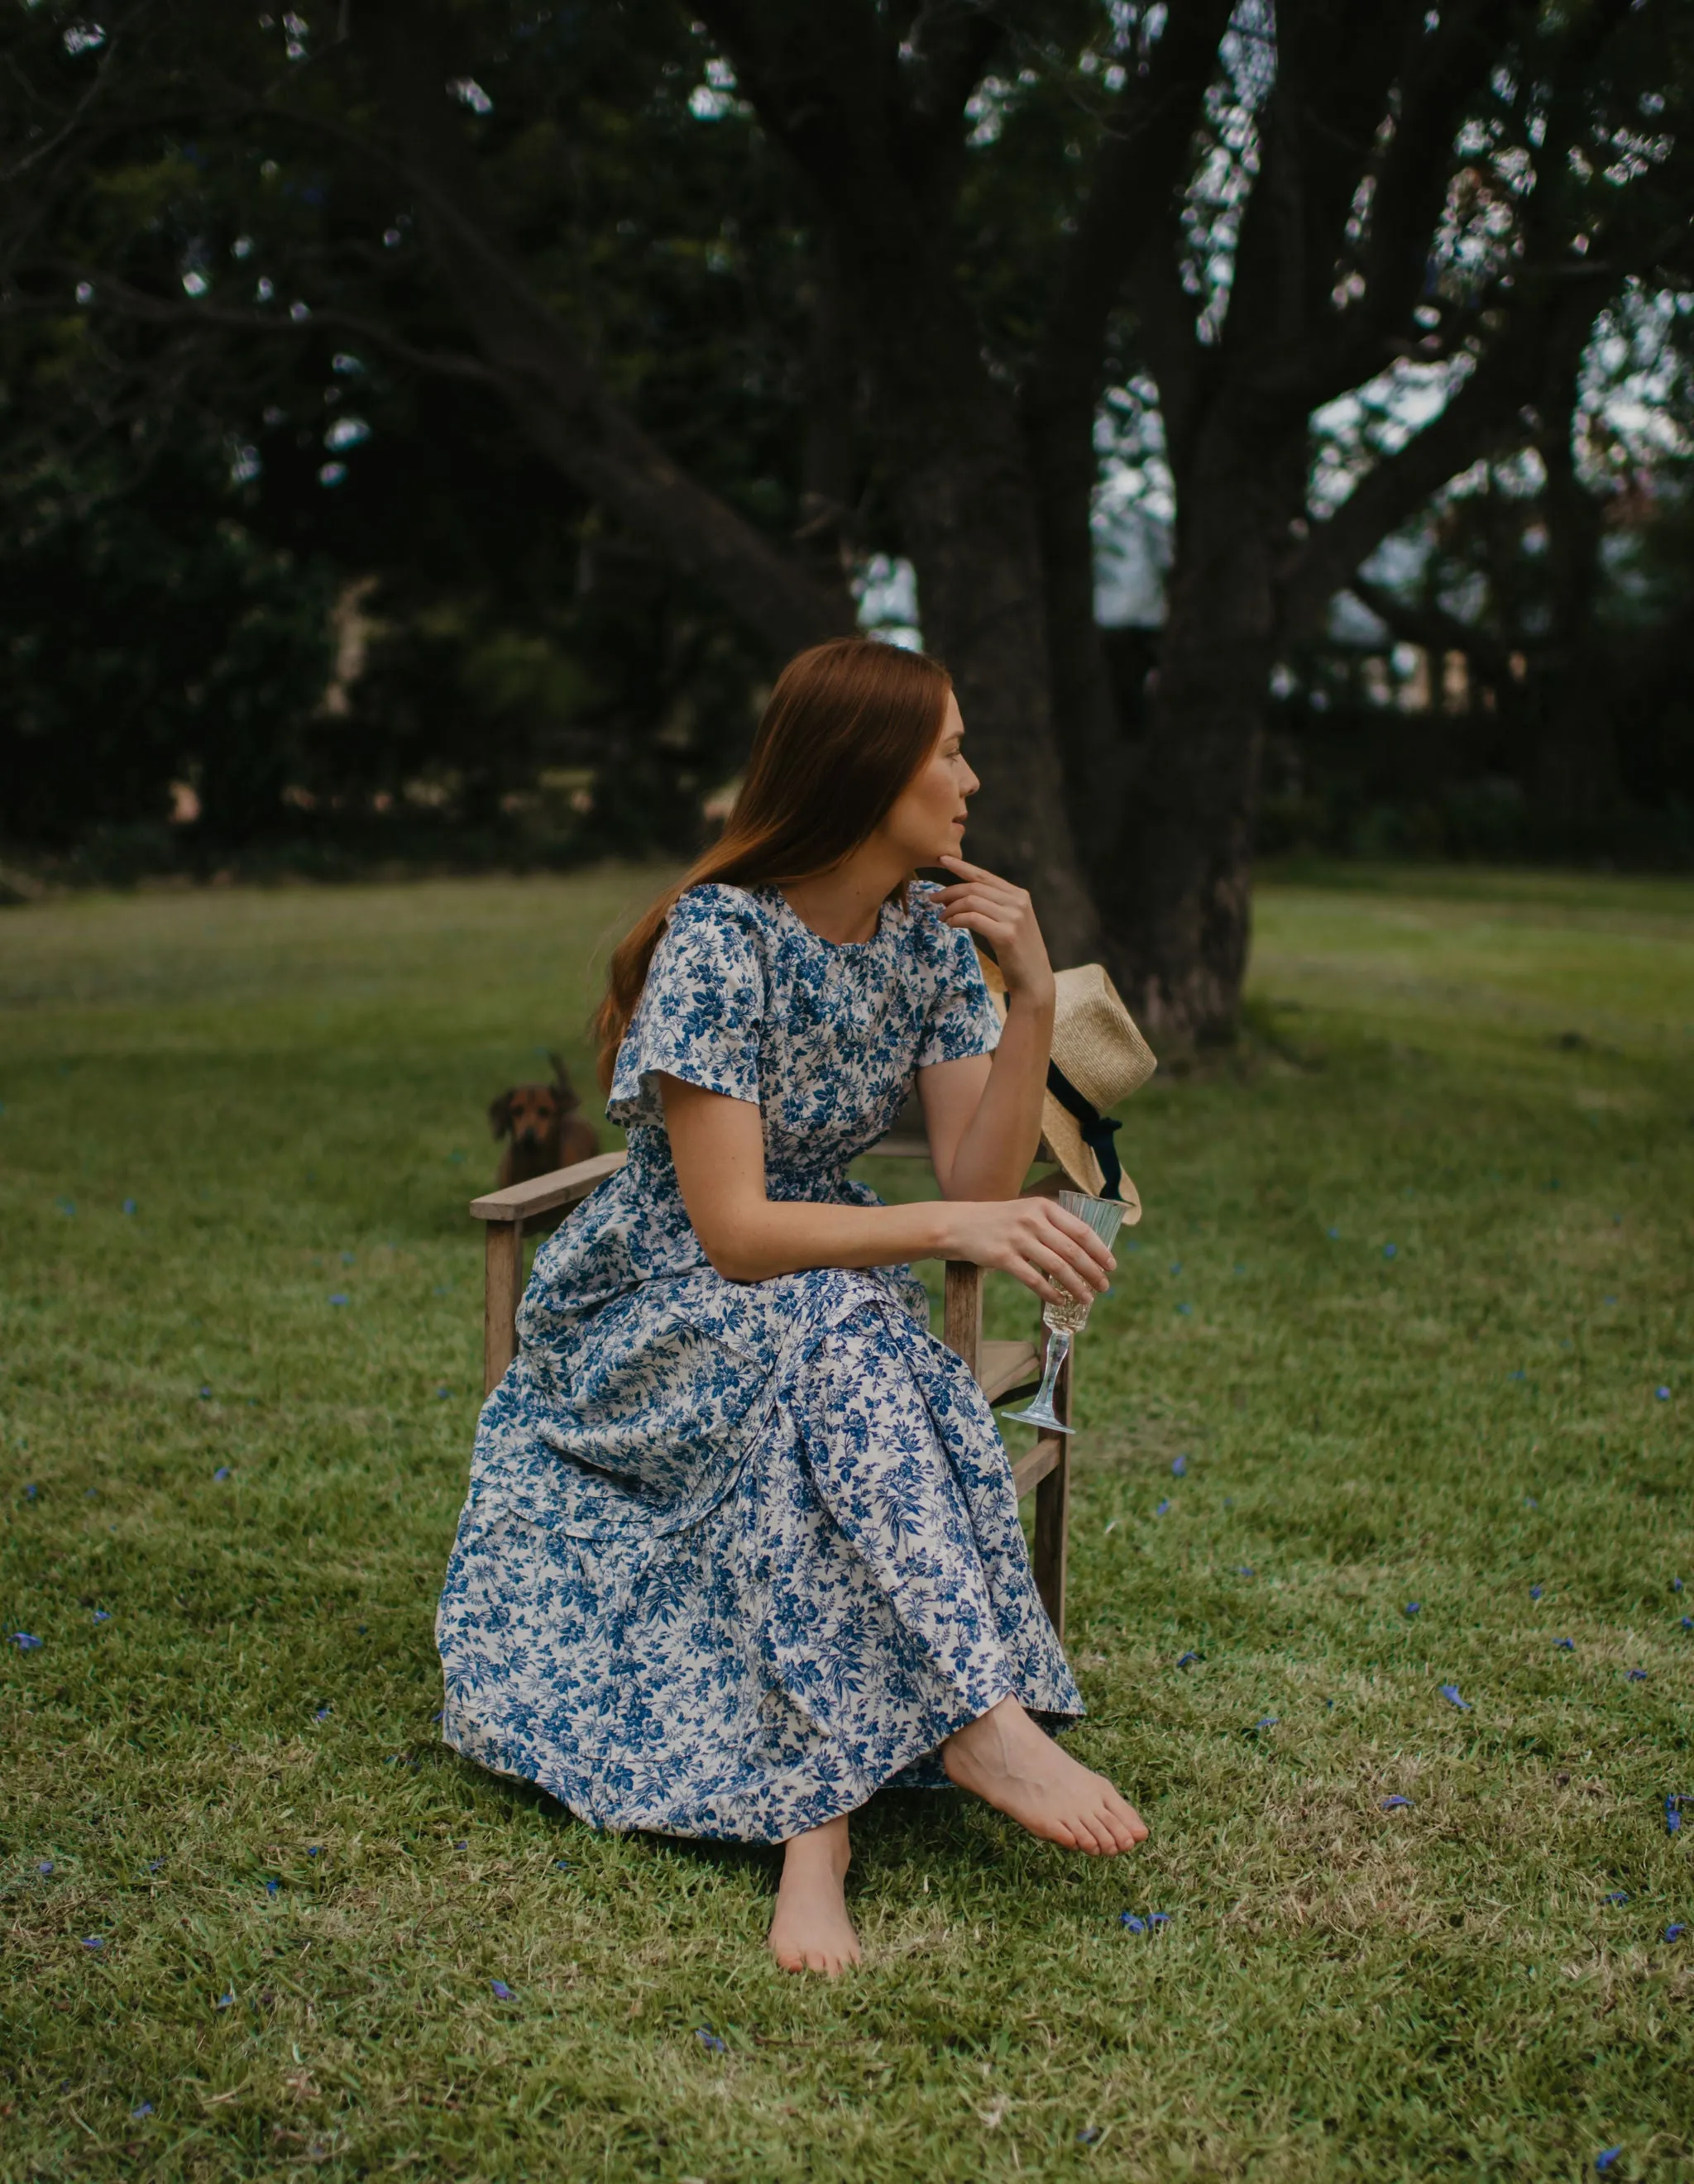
{"x":1098,"y":1057}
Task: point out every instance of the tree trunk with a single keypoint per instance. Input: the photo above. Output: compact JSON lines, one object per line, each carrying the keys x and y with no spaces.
{"x":1175,"y":893}
{"x":968,"y":521}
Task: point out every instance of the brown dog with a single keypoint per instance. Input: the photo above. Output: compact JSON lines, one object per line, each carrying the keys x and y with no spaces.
{"x":542,"y":1128}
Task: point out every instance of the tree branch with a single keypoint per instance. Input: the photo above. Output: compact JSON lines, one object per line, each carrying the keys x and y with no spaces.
{"x":1485,"y":413}
{"x":1141,"y":166}
{"x":132,"y":303}
{"x":545,"y":379}
{"x":1432,"y":627}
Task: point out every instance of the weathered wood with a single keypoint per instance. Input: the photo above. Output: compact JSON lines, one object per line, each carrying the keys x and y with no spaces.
{"x":1053,"y":1509}
{"x":560,"y":1186}
{"x":961,"y":1312}
{"x":500,"y":1294}
{"x":1028,"y":1472}
{"x":1006,"y":1367}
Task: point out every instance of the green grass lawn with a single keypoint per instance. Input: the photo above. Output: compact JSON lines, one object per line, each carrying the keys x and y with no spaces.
{"x":1392,"y":1395}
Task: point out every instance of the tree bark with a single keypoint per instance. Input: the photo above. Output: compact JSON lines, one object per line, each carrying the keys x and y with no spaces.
{"x":883,"y":174}
{"x":1176,"y":893}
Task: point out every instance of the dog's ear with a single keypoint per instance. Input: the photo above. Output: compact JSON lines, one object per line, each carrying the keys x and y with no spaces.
{"x":500,"y":1116}
{"x":563,"y":1090}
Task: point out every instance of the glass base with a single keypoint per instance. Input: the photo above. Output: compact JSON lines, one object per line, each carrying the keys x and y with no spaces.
{"x":1039,"y":1414}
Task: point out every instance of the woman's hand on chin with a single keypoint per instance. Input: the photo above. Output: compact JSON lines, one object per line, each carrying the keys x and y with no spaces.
{"x":982,"y":902}
{"x":1048,"y":1249}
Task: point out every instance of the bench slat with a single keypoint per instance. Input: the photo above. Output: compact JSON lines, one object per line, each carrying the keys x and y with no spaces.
{"x":1029,"y":1471}
{"x":1007,"y":1365}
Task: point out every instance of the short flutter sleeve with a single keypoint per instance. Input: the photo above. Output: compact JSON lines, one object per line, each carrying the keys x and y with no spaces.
{"x":961,"y":1019}
{"x":700,"y":1013}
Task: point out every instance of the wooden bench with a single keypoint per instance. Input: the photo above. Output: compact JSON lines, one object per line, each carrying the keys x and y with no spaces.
{"x":1002,"y":1369}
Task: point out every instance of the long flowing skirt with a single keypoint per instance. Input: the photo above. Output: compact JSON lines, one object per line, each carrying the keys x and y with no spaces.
{"x":762,"y":1591}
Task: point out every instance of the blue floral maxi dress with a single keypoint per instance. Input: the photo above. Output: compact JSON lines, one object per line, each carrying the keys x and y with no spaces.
{"x":737,"y":1554}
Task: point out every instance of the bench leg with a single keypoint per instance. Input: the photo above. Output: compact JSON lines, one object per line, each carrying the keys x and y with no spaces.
{"x":961,"y":1312}
{"x":1053,"y":1510}
{"x":502,"y":1290}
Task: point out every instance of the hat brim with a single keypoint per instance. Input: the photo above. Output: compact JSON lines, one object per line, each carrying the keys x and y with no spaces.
{"x":1062,"y":1142}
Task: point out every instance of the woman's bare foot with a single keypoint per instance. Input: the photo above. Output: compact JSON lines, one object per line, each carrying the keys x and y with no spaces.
{"x":1017,"y":1768}
{"x":811,"y":1931}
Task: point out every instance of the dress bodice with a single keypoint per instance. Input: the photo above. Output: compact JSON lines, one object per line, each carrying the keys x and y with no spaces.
{"x":744,"y":999}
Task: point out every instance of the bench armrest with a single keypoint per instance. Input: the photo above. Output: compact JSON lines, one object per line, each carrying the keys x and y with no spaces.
{"x":561,"y":1186}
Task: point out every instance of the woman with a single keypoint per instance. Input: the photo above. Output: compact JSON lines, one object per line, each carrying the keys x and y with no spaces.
{"x":742,"y":1544}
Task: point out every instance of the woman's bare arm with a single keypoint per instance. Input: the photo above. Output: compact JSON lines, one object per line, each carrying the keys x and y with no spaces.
{"x":718,"y":1145}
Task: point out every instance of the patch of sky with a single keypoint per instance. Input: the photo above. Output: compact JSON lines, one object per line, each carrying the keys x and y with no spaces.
{"x":885,"y":588}
{"x":713,"y":99}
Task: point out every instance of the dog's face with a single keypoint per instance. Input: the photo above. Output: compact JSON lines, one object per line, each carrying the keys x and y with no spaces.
{"x":528,"y":1114}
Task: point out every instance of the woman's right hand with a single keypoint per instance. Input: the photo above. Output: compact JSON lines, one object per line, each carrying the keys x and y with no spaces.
{"x":1047,"y":1249}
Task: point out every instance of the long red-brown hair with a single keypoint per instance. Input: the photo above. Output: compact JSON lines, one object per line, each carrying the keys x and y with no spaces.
{"x":848,"y":726}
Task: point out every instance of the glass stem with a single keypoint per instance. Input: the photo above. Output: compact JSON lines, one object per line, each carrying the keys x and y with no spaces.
{"x":1058,"y":1349}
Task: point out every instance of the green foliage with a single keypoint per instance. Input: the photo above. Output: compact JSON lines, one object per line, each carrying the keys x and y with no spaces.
{"x":148,"y":639}
{"x":1489,"y":1074}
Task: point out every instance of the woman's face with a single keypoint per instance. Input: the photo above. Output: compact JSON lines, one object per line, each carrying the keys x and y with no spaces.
{"x":927,"y":820}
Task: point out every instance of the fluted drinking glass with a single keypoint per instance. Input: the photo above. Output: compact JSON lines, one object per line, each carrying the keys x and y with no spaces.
{"x":1064,"y":1321}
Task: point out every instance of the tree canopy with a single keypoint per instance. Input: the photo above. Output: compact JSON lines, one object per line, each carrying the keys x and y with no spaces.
{"x":664,"y":324}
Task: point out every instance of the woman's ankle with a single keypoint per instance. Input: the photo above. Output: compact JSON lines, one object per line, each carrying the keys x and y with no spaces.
{"x":827,"y":1848}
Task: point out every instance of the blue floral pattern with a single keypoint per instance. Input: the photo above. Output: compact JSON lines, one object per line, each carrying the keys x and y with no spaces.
{"x":735,"y":1554}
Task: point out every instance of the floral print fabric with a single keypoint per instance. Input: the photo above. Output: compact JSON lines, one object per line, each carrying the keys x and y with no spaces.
{"x":737,"y":1554}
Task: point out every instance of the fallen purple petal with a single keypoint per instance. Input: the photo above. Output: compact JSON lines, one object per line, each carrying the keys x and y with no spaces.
{"x":1617,"y":1896}
{"x":1188,"y":1660}
{"x":1674,"y":1933}
{"x":222,"y":1471}
{"x":1414,"y":1607}
{"x":93,"y":1941}
{"x":102,"y":1615}
{"x":1564,"y":1644}
{"x":44,"y":1865}
{"x":1161,"y":1508}
{"x":26,"y":1641}
{"x":1673,"y":1815}
{"x":1390,"y":1250}
{"x":502,"y":1991}
{"x":225,"y":2001}
{"x":1268,"y":1721}
{"x":271,"y":1888}
{"x":145,"y":2109}
{"x":708,"y":2039}
{"x":341,"y":1296}
{"x":1158,"y":1917}
{"x":1634,"y":1675}
{"x":1449,"y":1693}
{"x":130,"y":1207}
{"x":1535,"y":1592}
{"x":1129,"y":1918}
{"x":1663,"y":1394}
{"x":1179,"y":1466}
{"x":1245,"y":1571}
{"x":1603,"y":2161}
{"x":1395,"y":1804}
